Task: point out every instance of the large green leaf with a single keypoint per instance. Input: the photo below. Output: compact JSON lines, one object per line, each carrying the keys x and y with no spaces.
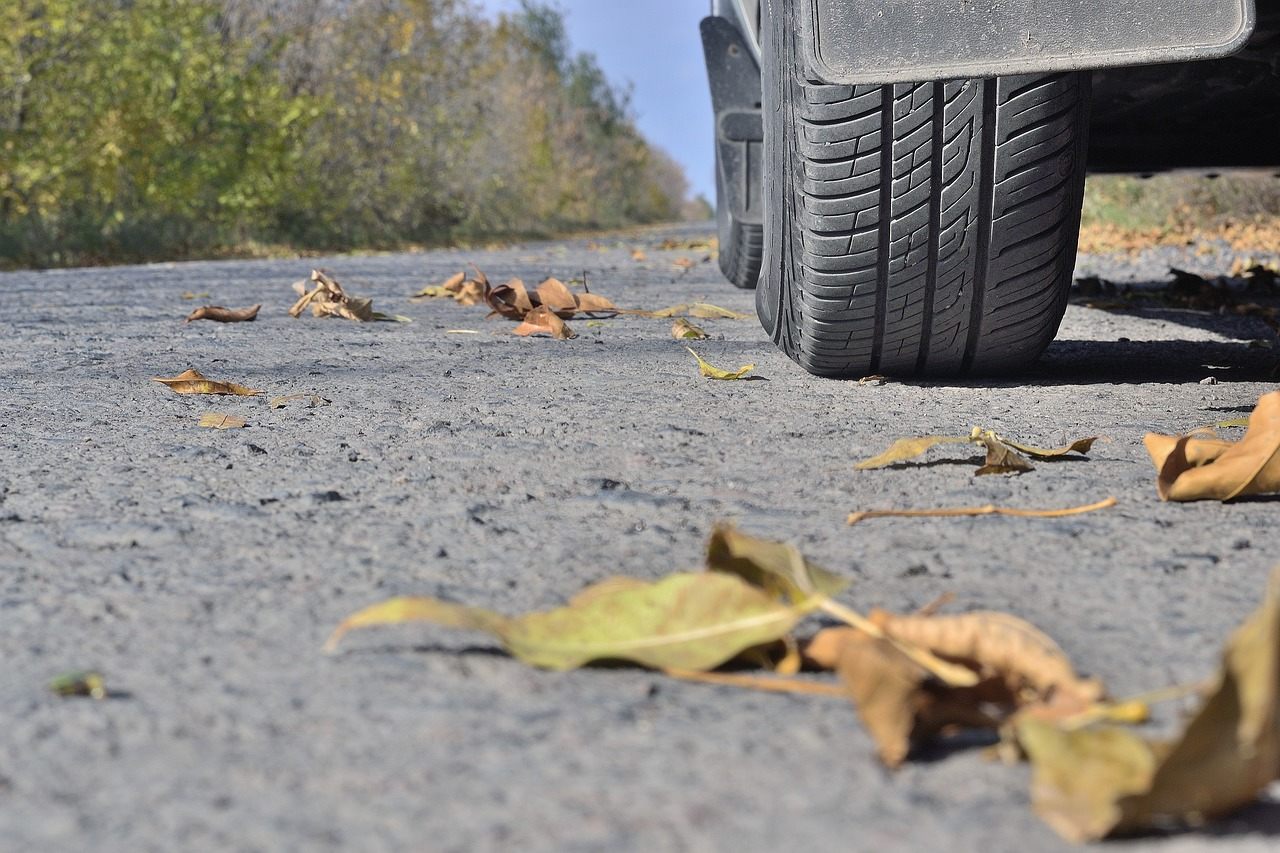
{"x":685,"y":621}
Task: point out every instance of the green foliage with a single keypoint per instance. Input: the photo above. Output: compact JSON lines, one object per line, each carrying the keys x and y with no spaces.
{"x":144,"y":129}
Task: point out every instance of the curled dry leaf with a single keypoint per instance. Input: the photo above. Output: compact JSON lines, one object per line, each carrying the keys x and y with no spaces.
{"x":1095,"y":782}
{"x":685,"y":621}
{"x":1002,"y":459}
{"x":218,"y":314}
{"x":514,"y":301}
{"x":214,"y":420}
{"x":683,"y":330}
{"x":1198,"y":467}
{"x":711,"y":372}
{"x":543,"y":321}
{"x":328,"y":299}
{"x":898,"y":701}
{"x":459,"y":287}
{"x":1001,"y":647}
{"x":194,"y":382}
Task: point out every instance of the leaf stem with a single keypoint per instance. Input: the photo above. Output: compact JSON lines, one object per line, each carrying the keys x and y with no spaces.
{"x":971,"y":512}
{"x":953,"y":674}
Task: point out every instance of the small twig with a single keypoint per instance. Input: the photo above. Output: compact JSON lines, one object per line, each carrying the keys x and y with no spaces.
{"x":969,"y":512}
{"x":760,"y":682}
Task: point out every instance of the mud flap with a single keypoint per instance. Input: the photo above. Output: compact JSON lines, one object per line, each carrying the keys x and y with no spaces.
{"x":855,"y":42}
{"x":735,"y":98}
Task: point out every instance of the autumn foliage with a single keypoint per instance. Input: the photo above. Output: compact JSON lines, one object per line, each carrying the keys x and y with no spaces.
{"x":152,"y":129}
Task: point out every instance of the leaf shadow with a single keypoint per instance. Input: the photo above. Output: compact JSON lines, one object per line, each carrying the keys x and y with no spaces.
{"x":940,"y":749}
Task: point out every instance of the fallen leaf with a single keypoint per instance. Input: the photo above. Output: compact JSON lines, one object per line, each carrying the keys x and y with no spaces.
{"x":218,"y":314}
{"x":514,"y":301}
{"x":638,"y":255}
{"x":1196,"y":467}
{"x":80,"y":683}
{"x":685,"y":621}
{"x":778,"y":568}
{"x":189,"y":296}
{"x":696,"y":310}
{"x":1002,"y":459}
{"x":781,"y":571}
{"x":1081,"y":446}
{"x":971,"y":512}
{"x":458,"y":287}
{"x":683,"y":330}
{"x":998,"y":646}
{"x":685,"y":264}
{"x":194,"y":382}
{"x":906,"y":449}
{"x":328,"y":299}
{"x":1003,"y":455}
{"x":899,"y":703}
{"x":1092,"y":783}
{"x":543,"y":321}
{"x":711,"y":372}
{"x":214,"y":420}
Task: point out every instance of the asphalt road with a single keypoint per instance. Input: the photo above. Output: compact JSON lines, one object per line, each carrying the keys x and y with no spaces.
{"x":201,"y":571}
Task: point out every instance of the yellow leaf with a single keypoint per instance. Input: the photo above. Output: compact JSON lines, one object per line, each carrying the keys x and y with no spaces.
{"x":716,"y":373}
{"x":213,"y":420}
{"x":1095,"y":782}
{"x":194,"y":382}
{"x":906,"y":449}
{"x":683,"y":330}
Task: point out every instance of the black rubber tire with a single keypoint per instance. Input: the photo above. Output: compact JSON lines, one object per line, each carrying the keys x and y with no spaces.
{"x":948,"y":250}
{"x":741,"y":244}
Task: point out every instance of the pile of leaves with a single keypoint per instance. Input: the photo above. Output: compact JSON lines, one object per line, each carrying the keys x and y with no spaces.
{"x":915,"y":679}
{"x":1251,"y":289}
{"x":540,"y":311}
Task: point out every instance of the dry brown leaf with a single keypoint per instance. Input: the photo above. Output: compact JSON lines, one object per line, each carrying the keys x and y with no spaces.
{"x":897,"y":700}
{"x":458,"y":287}
{"x":214,"y":420}
{"x":685,"y":264}
{"x":1196,"y":467}
{"x":683,"y":330}
{"x":194,"y":382}
{"x":328,"y":299}
{"x":638,"y":255}
{"x":554,"y":294}
{"x":1002,"y":459}
{"x":543,"y":321}
{"x":1096,"y":782}
{"x":218,"y":314}
{"x":999,"y":646}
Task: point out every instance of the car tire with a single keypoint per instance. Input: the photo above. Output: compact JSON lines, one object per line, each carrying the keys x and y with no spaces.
{"x":916,"y":228}
{"x":741,"y":243}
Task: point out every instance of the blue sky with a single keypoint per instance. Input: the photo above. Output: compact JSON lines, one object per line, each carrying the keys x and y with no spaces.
{"x":653,"y":45}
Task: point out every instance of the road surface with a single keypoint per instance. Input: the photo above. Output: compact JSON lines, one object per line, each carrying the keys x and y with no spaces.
{"x":201,"y":571}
